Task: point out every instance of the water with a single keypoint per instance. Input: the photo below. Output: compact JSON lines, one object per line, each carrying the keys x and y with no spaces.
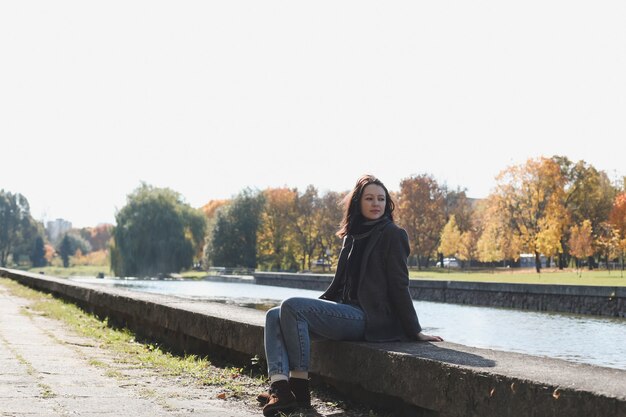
{"x":584,"y":339}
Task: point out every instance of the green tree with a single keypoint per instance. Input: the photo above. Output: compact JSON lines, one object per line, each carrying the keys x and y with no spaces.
{"x":17,"y":227}
{"x":38,"y":253}
{"x":65,"y":250}
{"x":234,"y":235}
{"x":156,"y":232}
{"x":76,"y":242}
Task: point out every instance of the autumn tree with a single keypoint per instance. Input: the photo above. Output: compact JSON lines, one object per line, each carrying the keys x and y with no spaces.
{"x":617,"y":218}
{"x":589,"y":194}
{"x":496,"y":241}
{"x":461,"y":245}
{"x":275,"y":238}
{"x":421,"y":211}
{"x":607,"y":243}
{"x":210,"y":208}
{"x":308,"y":214}
{"x":530,"y":199}
{"x":459,"y":206}
{"x":329,"y":243}
{"x":581,"y":242}
{"x":98,"y":237}
{"x":210,"y":211}
{"x":451,"y":239}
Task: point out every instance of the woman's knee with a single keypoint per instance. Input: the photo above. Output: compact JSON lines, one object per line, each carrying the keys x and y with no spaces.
{"x":296,"y":304}
{"x":273,"y":314}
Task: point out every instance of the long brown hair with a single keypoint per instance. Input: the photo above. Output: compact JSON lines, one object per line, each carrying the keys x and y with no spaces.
{"x":352,"y":206}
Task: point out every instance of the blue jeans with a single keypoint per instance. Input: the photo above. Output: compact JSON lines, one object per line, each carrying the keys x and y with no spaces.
{"x":288,"y":330}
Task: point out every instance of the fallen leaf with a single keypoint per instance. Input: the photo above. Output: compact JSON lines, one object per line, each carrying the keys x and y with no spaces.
{"x":221,"y":396}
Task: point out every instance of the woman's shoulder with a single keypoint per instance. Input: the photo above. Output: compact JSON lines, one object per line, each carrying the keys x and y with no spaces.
{"x":392,"y":229}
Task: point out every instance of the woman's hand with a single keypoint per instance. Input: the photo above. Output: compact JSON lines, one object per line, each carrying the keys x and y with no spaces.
{"x":422,"y":337}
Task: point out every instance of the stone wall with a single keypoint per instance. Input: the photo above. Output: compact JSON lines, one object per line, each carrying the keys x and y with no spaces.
{"x":415,"y":379}
{"x":579,"y":299}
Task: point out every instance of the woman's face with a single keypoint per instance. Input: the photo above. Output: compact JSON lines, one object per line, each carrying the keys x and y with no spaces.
{"x":373,"y":202}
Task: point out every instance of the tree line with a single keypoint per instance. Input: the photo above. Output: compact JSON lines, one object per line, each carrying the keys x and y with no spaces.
{"x":567,"y":211}
{"x":24,"y":241}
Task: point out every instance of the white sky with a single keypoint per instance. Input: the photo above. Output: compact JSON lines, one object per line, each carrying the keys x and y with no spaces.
{"x":209,"y":97}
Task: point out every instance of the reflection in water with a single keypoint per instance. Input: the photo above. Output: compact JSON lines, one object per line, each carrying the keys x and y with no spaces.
{"x":593,"y":340}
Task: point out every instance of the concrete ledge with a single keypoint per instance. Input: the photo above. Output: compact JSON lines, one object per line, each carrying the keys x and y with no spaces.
{"x":419,"y":379}
{"x":579,"y":299}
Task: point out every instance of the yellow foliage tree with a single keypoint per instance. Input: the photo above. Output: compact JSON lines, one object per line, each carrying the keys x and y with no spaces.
{"x":496,"y":241}
{"x":468,"y":248}
{"x":530,"y":197}
{"x":450,"y":242}
{"x":275,"y":239}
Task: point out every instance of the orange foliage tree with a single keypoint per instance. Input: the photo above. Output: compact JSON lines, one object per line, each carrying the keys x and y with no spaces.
{"x":617,"y":218}
{"x":581,"y":242}
{"x":421,"y":212}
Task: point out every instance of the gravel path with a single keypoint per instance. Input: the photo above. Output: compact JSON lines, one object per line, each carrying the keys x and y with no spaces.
{"x":47,"y":370}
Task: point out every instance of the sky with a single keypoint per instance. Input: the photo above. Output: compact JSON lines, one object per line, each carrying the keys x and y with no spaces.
{"x":210,"y":97}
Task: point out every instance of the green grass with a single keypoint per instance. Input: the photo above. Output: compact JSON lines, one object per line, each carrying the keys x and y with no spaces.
{"x":233,"y":380}
{"x":613,"y":278}
{"x":81,"y":270}
{"x":94,"y":270}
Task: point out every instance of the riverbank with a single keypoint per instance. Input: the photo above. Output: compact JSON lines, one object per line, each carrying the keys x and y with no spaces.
{"x":578,"y":299}
{"x":454,"y":380}
{"x":553,"y":276}
{"x":80,"y":362}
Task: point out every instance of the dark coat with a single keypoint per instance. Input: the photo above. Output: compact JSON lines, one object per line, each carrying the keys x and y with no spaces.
{"x":383,"y":290}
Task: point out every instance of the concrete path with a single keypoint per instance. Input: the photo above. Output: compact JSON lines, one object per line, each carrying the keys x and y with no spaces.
{"x":47,"y":370}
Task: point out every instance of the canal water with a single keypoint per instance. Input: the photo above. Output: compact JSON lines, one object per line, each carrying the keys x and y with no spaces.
{"x":584,"y":339}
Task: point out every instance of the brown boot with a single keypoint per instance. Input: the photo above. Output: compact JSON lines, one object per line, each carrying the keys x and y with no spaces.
{"x":281,"y":399}
{"x":264,"y":397}
{"x":299,"y":388}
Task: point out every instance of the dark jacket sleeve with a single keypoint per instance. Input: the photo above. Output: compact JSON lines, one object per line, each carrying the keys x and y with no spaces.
{"x":397,"y":273}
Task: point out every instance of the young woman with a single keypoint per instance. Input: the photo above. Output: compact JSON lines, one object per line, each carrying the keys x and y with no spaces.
{"x":368,"y":298}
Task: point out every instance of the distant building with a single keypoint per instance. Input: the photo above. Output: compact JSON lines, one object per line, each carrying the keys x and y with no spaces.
{"x":56,"y":228}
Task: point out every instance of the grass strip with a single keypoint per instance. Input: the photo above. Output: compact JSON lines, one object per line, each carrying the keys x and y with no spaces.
{"x":234,"y":380}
